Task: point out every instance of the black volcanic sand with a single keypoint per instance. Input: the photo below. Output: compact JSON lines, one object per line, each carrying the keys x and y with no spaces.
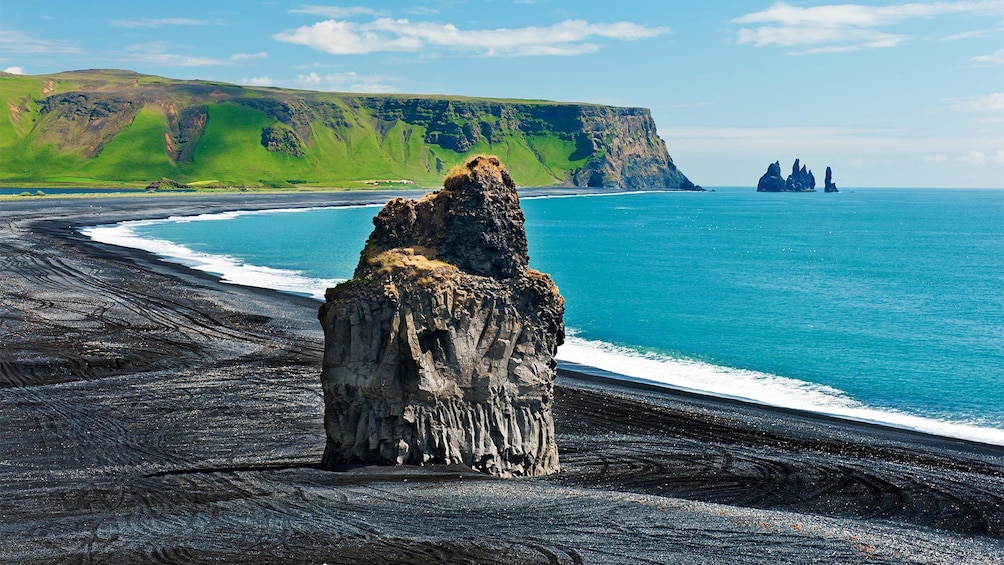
{"x":152,"y":414}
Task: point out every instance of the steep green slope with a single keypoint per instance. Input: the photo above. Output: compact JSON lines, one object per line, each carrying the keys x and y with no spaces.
{"x":101,"y":127}
{"x":136,"y":153}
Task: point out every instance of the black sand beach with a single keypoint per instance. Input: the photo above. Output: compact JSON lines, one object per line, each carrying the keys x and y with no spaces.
{"x":152,"y":414}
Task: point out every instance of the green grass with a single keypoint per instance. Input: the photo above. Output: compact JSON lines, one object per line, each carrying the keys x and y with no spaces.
{"x":230,"y":148}
{"x":17,"y":91}
{"x":138,"y":153}
{"x":34,"y":152}
{"x":520,"y":159}
{"x":558,"y":154}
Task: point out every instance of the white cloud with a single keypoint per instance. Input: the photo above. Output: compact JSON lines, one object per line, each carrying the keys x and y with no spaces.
{"x":14,"y":70}
{"x":691,"y":104}
{"x":246,"y":56}
{"x":258,"y":81}
{"x":20,"y":42}
{"x":345,"y":82}
{"x":844,"y":27}
{"x":422,"y":11}
{"x":857,"y":15}
{"x":335,"y":11}
{"x":818,"y":142}
{"x":979,"y":158}
{"x":995,"y":58}
{"x":157,"y":22}
{"x":989,"y":103}
{"x":975,"y":158}
{"x":966,"y":35}
{"x":385,"y":34}
{"x":792,"y":132}
{"x":156,"y":53}
{"x":789,"y":36}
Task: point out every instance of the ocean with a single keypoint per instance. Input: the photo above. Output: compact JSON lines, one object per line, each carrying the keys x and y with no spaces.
{"x":878,"y":305}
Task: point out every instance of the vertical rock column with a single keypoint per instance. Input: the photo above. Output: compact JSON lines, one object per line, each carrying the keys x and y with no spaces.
{"x":441,"y":348}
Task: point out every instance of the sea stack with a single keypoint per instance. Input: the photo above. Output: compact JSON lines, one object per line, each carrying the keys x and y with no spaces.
{"x":771,"y":181}
{"x":441,"y":347}
{"x":801,"y":179}
{"x":829,"y":185}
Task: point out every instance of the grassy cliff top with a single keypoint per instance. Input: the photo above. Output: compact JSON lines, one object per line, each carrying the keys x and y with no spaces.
{"x":121,"y":80}
{"x":108,"y":127}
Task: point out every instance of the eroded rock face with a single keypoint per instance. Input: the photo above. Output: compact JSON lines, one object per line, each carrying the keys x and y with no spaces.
{"x":771,"y":181}
{"x":441,"y":348}
{"x":800,"y":179}
{"x":829,"y":185}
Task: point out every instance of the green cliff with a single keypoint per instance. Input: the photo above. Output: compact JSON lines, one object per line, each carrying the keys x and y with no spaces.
{"x":106,"y":127}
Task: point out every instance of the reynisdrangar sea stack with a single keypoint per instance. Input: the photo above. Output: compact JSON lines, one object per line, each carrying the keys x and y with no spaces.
{"x":441,"y":347}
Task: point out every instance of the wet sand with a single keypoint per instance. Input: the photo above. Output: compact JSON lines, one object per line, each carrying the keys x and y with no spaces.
{"x":152,"y":414}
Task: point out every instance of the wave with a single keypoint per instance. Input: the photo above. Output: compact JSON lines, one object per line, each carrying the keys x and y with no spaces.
{"x":625,"y":363}
{"x":230,"y":270}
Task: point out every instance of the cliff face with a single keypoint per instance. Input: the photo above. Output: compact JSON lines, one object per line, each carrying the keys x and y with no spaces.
{"x":627,"y":152}
{"x":198,"y":130}
{"x":617,"y":147}
{"x":441,"y":348}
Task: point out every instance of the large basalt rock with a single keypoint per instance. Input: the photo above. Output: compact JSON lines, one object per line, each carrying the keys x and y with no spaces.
{"x":441,"y":348}
{"x":771,"y":181}
{"x":280,"y":138}
{"x":828,"y":184}
{"x":800,"y":179}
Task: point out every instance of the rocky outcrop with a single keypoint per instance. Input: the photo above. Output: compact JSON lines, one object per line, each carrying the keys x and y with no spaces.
{"x":828,"y":184}
{"x":441,"y":348}
{"x":185,"y":129}
{"x":88,"y":120}
{"x":282,"y":139}
{"x":627,"y":152}
{"x":801,"y":179}
{"x":771,"y":181}
{"x":164,"y":184}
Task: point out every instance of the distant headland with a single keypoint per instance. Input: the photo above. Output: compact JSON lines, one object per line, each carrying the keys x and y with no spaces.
{"x":116,"y":128}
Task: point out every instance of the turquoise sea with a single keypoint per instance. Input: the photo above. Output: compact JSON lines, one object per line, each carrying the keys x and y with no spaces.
{"x":883,"y":305}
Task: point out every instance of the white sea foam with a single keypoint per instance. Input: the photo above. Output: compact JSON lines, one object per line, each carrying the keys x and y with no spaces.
{"x":757,"y":387}
{"x":231,"y":270}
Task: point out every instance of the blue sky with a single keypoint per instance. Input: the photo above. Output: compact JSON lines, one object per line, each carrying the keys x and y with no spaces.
{"x":888,"y":94}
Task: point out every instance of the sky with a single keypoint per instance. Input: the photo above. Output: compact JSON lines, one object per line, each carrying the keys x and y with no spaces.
{"x":887,"y":94}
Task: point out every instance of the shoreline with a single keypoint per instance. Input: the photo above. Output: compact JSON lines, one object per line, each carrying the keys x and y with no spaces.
{"x":158,"y":414}
{"x":595,"y":371}
{"x":592,"y":374}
